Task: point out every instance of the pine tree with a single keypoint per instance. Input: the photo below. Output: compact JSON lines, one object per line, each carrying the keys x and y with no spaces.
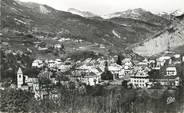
{"x":119,"y":60}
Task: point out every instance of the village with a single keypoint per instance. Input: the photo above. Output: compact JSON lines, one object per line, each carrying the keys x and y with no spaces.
{"x":161,"y":72}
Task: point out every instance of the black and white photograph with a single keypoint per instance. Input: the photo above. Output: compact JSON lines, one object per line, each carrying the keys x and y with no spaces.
{"x":91,"y":56}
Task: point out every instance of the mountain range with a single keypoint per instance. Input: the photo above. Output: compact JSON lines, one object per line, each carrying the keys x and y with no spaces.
{"x":120,"y":30}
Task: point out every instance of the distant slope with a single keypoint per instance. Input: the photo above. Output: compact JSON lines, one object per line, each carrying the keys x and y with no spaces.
{"x":170,"y":38}
{"x":140,"y":14}
{"x":143,"y":22}
{"x":32,"y":17}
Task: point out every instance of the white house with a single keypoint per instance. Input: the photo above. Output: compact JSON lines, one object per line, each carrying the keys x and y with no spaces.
{"x":171,"y":71}
{"x":140,"y":79}
{"x":88,"y":69}
{"x":177,"y":56}
{"x":64,"y":67}
{"x":127,"y":70}
{"x":51,"y":63}
{"x":91,"y":79}
{"x":58,"y":61}
{"x":115,"y":69}
{"x":126,"y":60}
{"x":161,"y":60}
{"x":58,"y":46}
{"x":121,"y":73}
{"x":37,"y":63}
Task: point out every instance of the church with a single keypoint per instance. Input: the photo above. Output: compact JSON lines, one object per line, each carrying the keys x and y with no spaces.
{"x":26,"y":83}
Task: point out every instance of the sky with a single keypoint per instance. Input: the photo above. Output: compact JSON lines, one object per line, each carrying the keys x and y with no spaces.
{"x":103,"y":7}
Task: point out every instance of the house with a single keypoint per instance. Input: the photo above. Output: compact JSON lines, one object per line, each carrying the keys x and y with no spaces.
{"x":177,"y":56}
{"x":127,"y":70}
{"x":115,"y":69}
{"x":161,"y":60}
{"x":129,"y":64}
{"x":42,"y":49}
{"x":171,"y":71}
{"x":125,"y":60}
{"x":37,"y":63}
{"x":57,"y":46}
{"x":169,"y":79}
{"x":143,"y":63}
{"x":64,"y":67}
{"x":140,"y":79}
{"x":32,"y":83}
{"x":85,"y":69}
{"x":58,"y":61}
{"x":51,"y":63}
{"x":121,"y":73}
{"x":91,"y":79}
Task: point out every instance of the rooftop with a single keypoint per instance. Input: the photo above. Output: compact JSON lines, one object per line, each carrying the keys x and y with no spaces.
{"x":171,"y":68}
{"x":19,"y":71}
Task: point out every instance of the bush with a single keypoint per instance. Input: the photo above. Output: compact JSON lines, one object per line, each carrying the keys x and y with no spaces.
{"x":15,"y":100}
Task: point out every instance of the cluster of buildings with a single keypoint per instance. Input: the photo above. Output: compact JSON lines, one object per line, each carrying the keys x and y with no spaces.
{"x":139,"y":73}
{"x":165,"y":71}
{"x":153,"y":72}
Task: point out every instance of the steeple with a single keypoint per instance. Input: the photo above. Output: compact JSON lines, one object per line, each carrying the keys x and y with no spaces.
{"x":20,"y":78}
{"x":19,"y":71}
{"x":106,"y":66}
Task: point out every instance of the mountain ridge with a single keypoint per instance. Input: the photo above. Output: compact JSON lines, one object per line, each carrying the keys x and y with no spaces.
{"x":116,"y":32}
{"x":100,"y":31}
{"x":168,"y":39}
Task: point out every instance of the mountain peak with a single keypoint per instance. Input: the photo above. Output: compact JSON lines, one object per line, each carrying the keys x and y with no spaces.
{"x":138,"y":10}
{"x":178,"y":12}
{"x":81,"y":13}
{"x":130,"y":13}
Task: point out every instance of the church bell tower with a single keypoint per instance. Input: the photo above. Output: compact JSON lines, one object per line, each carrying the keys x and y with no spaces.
{"x":20,"y":78}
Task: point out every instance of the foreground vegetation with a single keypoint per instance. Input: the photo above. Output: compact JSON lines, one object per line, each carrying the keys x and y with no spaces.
{"x":99,"y":99}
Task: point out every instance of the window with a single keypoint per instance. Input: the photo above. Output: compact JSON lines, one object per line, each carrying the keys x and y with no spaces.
{"x":19,"y":76}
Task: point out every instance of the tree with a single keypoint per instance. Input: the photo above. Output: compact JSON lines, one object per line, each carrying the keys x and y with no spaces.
{"x":119,"y":60}
{"x":15,"y":100}
{"x":125,"y":84}
{"x":71,"y":85}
